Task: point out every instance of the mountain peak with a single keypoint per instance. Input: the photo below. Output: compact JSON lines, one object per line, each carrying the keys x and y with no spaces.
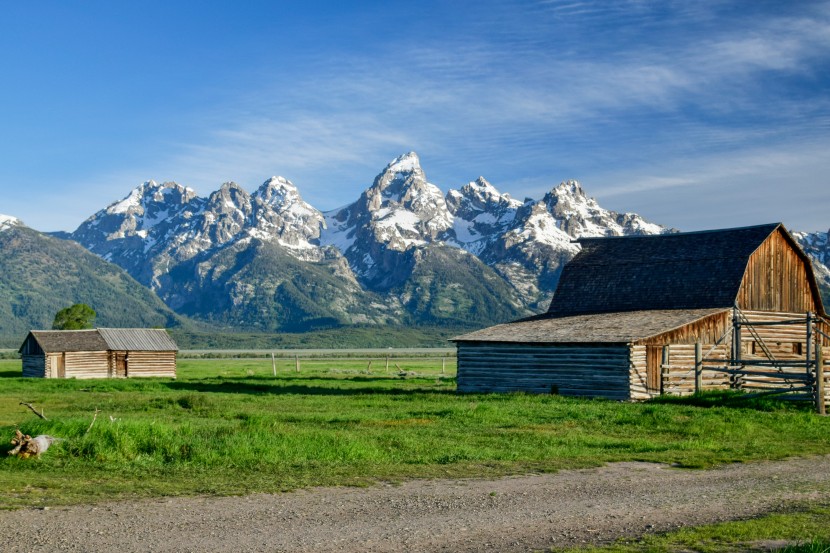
{"x":277,"y":191}
{"x":570,"y":188}
{"x":7,"y":222}
{"x":147,"y":193}
{"x":405,"y":163}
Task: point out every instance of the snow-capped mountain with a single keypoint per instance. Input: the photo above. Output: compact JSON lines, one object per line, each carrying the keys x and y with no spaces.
{"x":481,"y":213}
{"x":158,"y":226}
{"x":403,"y":252}
{"x":817,"y":246}
{"x":399,"y":212}
{"x":7,"y":222}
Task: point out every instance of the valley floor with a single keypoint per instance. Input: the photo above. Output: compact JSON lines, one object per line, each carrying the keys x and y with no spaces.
{"x":512,"y":514}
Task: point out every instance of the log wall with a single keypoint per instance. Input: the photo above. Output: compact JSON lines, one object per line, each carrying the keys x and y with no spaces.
{"x":151,"y":363}
{"x":85,"y":364}
{"x":34,"y":366}
{"x":679,"y":373}
{"x":569,"y":369}
{"x":637,"y":372}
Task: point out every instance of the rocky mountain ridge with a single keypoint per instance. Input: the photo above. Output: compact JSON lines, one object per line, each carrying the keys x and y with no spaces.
{"x":403,"y":253}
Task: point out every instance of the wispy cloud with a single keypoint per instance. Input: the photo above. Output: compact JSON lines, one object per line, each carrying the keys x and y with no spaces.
{"x":667,"y":95}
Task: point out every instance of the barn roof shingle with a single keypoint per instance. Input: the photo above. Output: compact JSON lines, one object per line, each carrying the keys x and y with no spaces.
{"x":69,"y":340}
{"x":609,"y":328}
{"x":694,"y":270}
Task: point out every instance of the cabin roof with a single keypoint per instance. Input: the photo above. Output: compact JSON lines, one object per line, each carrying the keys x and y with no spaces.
{"x":103,"y":339}
{"x":692,"y":270}
{"x":68,"y":340}
{"x":138,"y":339}
{"x":611,"y":328}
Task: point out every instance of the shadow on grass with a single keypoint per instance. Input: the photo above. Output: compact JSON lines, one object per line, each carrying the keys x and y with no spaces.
{"x":736,"y":400}
{"x":11,"y":374}
{"x":285,"y":386}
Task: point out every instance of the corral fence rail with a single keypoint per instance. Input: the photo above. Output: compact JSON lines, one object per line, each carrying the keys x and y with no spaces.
{"x":798,"y":377}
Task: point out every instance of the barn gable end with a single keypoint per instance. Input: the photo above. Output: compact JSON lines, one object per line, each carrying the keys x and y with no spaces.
{"x":779,"y":277}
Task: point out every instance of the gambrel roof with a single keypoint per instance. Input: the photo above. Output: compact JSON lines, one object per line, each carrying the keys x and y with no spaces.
{"x":629,"y":288}
{"x":692,"y":270}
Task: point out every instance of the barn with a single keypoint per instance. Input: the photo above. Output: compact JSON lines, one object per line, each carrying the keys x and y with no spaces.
{"x":637,"y":316}
{"x":99,"y":353}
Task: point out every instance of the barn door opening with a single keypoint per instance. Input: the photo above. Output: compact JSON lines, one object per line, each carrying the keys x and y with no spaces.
{"x":57,"y":365}
{"x":121,"y":365}
{"x":654,"y":360}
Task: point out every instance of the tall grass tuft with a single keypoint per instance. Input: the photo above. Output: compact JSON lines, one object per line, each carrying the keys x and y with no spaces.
{"x":813,"y":546}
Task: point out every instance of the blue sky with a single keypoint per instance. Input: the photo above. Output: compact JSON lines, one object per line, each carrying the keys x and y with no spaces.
{"x":694,"y":114}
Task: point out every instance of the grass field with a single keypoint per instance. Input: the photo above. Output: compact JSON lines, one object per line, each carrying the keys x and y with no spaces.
{"x":228,"y":426}
{"x":798,"y":530}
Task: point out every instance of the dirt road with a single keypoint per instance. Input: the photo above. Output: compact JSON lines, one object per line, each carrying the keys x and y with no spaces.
{"x":515,"y":514}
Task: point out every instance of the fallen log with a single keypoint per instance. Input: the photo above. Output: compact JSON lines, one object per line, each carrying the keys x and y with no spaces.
{"x":26,"y":446}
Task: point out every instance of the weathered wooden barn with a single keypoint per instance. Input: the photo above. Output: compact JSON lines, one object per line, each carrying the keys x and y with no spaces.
{"x":638,"y":316}
{"x":99,"y":353}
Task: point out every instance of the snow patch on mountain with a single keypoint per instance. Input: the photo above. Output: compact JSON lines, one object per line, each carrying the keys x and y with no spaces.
{"x":817,"y":246}
{"x":7,"y":222}
{"x":398,"y":236}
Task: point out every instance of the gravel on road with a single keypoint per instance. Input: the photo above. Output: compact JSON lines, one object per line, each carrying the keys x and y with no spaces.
{"x":511,"y":514}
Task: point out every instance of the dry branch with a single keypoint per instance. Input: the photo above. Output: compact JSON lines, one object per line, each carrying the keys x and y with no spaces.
{"x":29,"y":405}
{"x":94,"y":416}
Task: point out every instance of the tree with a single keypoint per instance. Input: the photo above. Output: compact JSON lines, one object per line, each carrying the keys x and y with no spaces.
{"x":76,"y":317}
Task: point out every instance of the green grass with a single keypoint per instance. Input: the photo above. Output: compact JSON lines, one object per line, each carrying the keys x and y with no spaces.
{"x":229,"y":427}
{"x":803,"y":529}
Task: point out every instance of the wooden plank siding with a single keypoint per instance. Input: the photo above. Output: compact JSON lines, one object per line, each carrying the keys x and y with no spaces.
{"x":776,"y":279}
{"x":706,"y":330}
{"x":569,"y":369}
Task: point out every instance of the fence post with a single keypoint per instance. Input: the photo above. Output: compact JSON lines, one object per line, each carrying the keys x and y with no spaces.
{"x":820,"y":407}
{"x":273,"y":364}
{"x":809,"y":340}
{"x":736,"y":379}
{"x":443,"y":364}
{"x":387,"y":362}
{"x":297,"y":363}
{"x":698,"y":367}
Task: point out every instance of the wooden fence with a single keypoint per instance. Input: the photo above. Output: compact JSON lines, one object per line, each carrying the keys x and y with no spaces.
{"x":772,"y":355}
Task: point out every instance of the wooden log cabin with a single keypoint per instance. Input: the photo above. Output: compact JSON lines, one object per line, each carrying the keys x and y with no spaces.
{"x":637,"y":316}
{"x":99,"y":353}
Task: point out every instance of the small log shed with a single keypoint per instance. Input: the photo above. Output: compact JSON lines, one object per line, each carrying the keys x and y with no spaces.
{"x":99,"y":353}
{"x":638,"y":316}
